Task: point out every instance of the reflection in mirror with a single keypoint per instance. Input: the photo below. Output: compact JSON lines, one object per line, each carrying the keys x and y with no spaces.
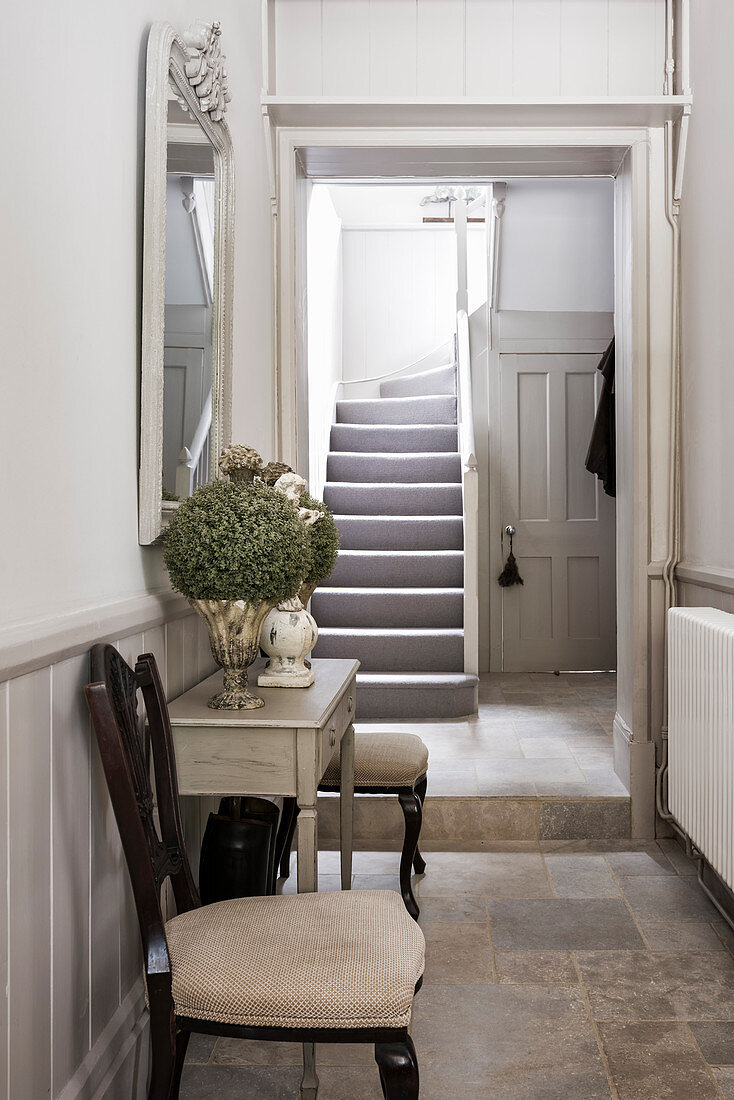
{"x":187,"y":363}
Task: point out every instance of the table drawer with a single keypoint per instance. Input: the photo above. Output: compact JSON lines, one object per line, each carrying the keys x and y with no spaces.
{"x":340,"y":719}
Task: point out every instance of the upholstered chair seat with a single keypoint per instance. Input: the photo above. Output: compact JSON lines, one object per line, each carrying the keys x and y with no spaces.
{"x":382,"y":760}
{"x":332,"y":960}
{"x":384,"y":763}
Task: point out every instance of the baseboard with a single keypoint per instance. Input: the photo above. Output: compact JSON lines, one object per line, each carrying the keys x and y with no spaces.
{"x":634,"y":763}
{"x":117,"y":1064}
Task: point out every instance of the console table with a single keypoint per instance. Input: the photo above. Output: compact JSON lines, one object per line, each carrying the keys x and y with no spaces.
{"x":281,"y":749}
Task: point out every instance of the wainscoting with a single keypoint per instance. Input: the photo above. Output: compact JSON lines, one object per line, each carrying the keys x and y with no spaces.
{"x":72,"y":1024}
{"x":704,"y":586}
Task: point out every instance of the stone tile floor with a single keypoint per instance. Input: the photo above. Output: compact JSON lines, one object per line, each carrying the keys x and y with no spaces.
{"x":536,"y":734}
{"x":579,"y":972}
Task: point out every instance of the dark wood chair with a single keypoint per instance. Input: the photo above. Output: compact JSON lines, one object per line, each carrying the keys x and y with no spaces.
{"x":384,"y":763}
{"x":279,"y":969}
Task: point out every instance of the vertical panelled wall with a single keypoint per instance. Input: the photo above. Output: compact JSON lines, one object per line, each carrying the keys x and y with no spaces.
{"x":71,"y":1024}
{"x":482,"y":49}
{"x":399,"y":293}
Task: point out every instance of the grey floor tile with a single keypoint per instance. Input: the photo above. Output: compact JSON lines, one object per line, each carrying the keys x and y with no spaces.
{"x":603,"y":780}
{"x":562,"y":924}
{"x":455,"y":777}
{"x":668,"y":936}
{"x":497,"y":778}
{"x":327,"y":884}
{"x":663,"y":898}
{"x":484,"y":874}
{"x":200,"y":1048}
{"x":725,"y":1080}
{"x":715,"y":1041}
{"x":546,"y":747}
{"x":676,"y":855}
{"x":216,"y":1082}
{"x":535,"y":968}
{"x":654,"y":985}
{"x":725,"y":933}
{"x":657,"y":1060}
{"x":376,"y":882}
{"x":457,"y":954}
{"x":651,"y":862}
{"x":461,"y":908}
{"x":252,"y":1052}
{"x":558,"y":1083}
{"x":581,"y":877}
{"x":348,"y":1083}
{"x":506,"y":1039}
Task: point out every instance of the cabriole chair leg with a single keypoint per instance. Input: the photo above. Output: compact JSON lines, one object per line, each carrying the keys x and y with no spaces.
{"x":410,"y":804}
{"x":398,"y":1070}
{"x":284,"y":840}
{"x":182,"y":1042}
{"x":419,"y":863}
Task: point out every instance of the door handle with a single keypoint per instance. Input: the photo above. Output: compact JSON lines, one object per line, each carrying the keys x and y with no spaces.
{"x":510,"y":530}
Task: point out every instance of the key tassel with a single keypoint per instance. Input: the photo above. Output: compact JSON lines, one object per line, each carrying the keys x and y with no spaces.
{"x":510,"y":574}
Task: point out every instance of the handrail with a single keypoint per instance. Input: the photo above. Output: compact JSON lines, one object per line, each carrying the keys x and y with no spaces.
{"x":463,"y":376}
{"x":190,"y":457}
{"x":436,"y":353}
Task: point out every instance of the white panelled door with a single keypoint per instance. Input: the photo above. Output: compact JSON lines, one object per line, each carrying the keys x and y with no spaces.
{"x":564,"y":616}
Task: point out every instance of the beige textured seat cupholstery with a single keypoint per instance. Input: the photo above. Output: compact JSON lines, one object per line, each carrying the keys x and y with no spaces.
{"x":382,"y":760}
{"x":332,"y":960}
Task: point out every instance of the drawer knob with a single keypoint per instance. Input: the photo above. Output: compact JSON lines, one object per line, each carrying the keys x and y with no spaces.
{"x":350,"y":704}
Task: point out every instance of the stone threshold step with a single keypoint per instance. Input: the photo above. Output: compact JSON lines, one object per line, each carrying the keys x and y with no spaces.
{"x":474,"y":824}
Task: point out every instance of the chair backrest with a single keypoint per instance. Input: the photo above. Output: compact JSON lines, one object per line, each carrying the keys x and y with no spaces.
{"x":152,"y":856}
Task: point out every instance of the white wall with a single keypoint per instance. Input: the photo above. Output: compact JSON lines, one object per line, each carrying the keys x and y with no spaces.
{"x":324,"y":281}
{"x":399,"y":276}
{"x":558,"y":246}
{"x":184,"y":280}
{"x":557,"y":254}
{"x":474,"y":48}
{"x":707,"y":227}
{"x":70,"y":292}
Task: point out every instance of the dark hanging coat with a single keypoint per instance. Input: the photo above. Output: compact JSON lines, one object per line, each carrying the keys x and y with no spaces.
{"x":602,"y":455}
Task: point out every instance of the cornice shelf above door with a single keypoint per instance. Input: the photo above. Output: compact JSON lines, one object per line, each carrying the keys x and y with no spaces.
{"x":557,"y":111}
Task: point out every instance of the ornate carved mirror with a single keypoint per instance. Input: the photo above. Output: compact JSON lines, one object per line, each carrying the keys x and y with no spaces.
{"x":185,"y":413}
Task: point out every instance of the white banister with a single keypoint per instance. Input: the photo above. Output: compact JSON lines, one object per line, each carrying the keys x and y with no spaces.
{"x":193,"y":461}
{"x":470,"y":492}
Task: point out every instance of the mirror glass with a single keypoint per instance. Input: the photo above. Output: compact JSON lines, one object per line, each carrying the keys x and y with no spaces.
{"x":189,"y":294}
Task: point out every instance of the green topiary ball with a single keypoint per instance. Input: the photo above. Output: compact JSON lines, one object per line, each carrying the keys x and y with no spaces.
{"x":237,"y":542}
{"x":324,"y":539}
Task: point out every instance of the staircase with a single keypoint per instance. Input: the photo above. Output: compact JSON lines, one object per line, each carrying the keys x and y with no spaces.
{"x":395,"y":599}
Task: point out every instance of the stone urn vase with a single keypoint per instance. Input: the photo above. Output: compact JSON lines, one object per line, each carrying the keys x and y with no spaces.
{"x":234,"y":636}
{"x":289,"y":633}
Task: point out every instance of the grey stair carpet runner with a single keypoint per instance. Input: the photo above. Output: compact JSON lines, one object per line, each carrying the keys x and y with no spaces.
{"x":395,"y":598}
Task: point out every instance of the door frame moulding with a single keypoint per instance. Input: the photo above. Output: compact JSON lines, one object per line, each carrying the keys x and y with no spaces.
{"x":641,"y":318}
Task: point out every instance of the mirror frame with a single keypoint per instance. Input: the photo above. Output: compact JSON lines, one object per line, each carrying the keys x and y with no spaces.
{"x":193,"y":61}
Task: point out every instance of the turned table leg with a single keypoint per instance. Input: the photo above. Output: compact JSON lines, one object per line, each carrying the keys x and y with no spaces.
{"x":346,"y":806}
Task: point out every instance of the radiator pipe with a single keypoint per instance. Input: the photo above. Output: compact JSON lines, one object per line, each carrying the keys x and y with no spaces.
{"x":672,"y":212}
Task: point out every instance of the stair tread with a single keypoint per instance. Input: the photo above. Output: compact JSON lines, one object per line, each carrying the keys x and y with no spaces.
{"x":400,"y":553}
{"x":394,"y":486}
{"x":395,"y":590}
{"x":391,"y":631}
{"x":418,"y":678}
{"x":399,"y":519}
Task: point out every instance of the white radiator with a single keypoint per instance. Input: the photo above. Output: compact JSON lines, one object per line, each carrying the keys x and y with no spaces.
{"x":701,"y":731}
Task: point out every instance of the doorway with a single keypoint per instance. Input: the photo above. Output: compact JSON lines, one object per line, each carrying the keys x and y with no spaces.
{"x":623,"y":155}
